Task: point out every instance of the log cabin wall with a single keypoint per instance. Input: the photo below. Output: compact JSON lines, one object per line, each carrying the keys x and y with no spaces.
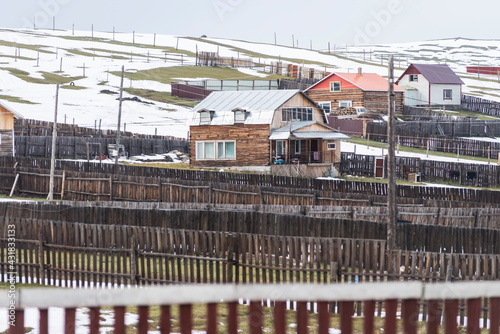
{"x":7,"y":143}
{"x":371,"y":100}
{"x":356,"y":95}
{"x":252,"y":143}
{"x":378,"y":101}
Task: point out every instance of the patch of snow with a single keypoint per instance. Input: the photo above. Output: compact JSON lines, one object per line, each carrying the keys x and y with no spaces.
{"x":250,"y":71}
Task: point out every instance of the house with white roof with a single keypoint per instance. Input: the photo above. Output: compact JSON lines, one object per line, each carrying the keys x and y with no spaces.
{"x":258,"y":128}
{"x":431,"y":84}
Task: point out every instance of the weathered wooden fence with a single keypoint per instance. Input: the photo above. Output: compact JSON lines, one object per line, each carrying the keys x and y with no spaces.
{"x":133,"y":187}
{"x":68,"y":254}
{"x":31,"y":127}
{"x":435,"y":128}
{"x":112,"y":221}
{"x":466,"y":174}
{"x":481,"y":105}
{"x":422,"y":307}
{"x":90,"y":148}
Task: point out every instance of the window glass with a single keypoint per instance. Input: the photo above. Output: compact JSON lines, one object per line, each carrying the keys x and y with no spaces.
{"x":209,"y":150}
{"x":220,"y":150}
{"x":230,"y":151}
{"x":200,"y":153}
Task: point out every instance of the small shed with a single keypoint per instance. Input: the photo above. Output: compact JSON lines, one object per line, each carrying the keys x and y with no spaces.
{"x":7,"y":116}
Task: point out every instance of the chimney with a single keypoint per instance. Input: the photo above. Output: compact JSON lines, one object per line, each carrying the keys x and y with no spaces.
{"x":360,"y":71}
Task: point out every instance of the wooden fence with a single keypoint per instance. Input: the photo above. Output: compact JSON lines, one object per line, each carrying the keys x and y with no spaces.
{"x":466,"y":174}
{"x":427,"y":130}
{"x":90,"y":148}
{"x":436,"y":303}
{"x":31,"y":127}
{"x":330,"y":192}
{"x":68,"y":254}
{"x":481,"y":105}
{"x":144,"y":223}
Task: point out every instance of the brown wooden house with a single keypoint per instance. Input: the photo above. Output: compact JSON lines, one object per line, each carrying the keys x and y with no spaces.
{"x":258,"y":128}
{"x":368,"y":90}
{"x":7,"y":116}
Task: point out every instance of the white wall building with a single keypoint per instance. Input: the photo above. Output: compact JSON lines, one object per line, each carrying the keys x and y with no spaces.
{"x":431,"y":85}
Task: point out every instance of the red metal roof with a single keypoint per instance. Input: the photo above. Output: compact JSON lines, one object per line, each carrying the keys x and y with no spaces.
{"x":365,"y":81}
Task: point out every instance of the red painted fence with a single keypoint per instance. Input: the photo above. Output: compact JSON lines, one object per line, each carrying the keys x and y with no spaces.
{"x":442,"y":305}
{"x":492,"y":70}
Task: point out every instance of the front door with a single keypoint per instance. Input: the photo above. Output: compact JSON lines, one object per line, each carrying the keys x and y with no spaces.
{"x":316,"y":153}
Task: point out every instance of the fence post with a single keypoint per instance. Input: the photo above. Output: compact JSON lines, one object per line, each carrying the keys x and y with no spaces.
{"x":110,"y":188}
{"x":210,"y":193}
{"x":334,"y":272}
{"x":133,"y":261}
{"x":41,"y":257}
{"x":63,"y":187}
{"x":159,"y":191}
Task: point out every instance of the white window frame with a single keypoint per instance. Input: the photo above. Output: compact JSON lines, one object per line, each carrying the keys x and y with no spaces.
{"x":297,"y":148}
{"x":330,"y":148}
{"x":224,"y":157}
{"x":332,"y":86}
{"x":201,"y":150}
{"x":240,"y":116}
{"x":327,"y":104}
{"x":413,"y":78}
{"x":348,"y":104}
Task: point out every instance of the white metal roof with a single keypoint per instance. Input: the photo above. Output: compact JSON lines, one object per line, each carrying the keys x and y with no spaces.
{"x":260,"y":106}
{"x":9,"y":108}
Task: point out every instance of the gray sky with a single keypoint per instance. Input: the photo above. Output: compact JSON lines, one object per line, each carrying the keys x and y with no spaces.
{"x":322,"y":21}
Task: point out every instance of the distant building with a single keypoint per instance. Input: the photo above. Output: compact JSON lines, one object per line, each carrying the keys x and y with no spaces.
{"x":434,"y":84}
{"x":368,"y":90}
{"x":7,"y":116}
{"x":256,"y":128}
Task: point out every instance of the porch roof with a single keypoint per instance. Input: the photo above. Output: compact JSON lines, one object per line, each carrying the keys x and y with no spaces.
{"x":296,"y":131}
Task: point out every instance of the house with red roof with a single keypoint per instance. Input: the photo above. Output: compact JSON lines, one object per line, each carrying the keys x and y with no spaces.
{"x":431,"y":84}
{"x":368,"y":90}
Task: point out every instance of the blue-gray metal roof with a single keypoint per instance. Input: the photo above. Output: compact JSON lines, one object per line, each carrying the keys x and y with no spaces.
{"x":260,"y":105}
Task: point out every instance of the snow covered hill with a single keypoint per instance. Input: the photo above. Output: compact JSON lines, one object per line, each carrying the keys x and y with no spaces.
{"x":88,"y":66}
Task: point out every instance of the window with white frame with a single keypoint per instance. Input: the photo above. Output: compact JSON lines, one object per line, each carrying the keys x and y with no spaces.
{"x":326,"y":106}
{"x":215,"y":150}
{"x":297,"y":146}
{"x":414,"y":77}
{"x":226,"y":150}
{"x":345,"y":104}
{"x":447,"y":94}
{"x":331,"y":146}
{"x":335,"y":86}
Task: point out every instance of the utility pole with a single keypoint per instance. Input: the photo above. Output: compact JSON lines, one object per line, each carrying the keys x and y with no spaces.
{"x":50,"y":197}
{"x":119,"y":121}
{"x":391,"y":161}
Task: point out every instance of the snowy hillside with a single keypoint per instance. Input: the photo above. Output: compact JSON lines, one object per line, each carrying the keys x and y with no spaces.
{"x":88,"y":67}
